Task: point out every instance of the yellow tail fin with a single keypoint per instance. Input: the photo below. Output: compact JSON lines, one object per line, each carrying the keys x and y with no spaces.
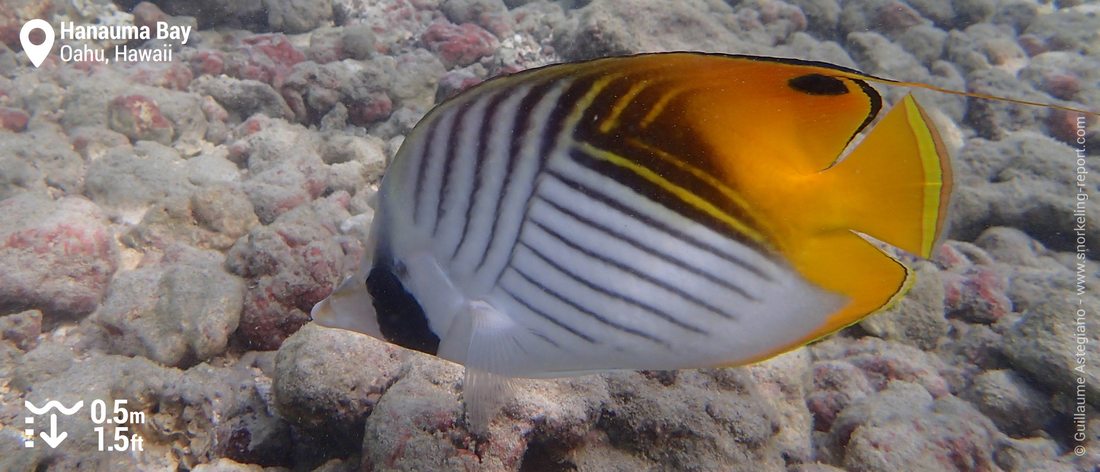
{"x":896,"y":184}
{"x":894,"y":187}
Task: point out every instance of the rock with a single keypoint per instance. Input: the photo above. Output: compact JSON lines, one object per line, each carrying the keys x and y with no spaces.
{"x":420,"y":423}
{"x":969,"y":350}
{"x":918,"y":319}
{"x":358,"y":42}
{"x":1064,"y":75}
{"x":109,"y":96}
{"x":243,"y":98}
{"x":836,"y":385}
{"x":328,"y":381}
{"x":45,"y":361}
{"x":417,"y":425}
{"x":883,"y":17}
{"x":883,"y":362}
{"x":132,"y":179}
{"x":14,"y":14}
{"x":313,"y":90}
{"x":782,"y":384}
{"x":147,"y":14}
{"x":249,"y":15}
{"x":22,"y":329}
{"x":1010,"y":246}
{"x":213,"y":169}
{"x":27,"y":165}
{"x":13,"y":119}
{"x":1015,"y":407}
{"x":456,"y":81}
{"x":331,"y":44}
{"x":1066,"y":30}
{"x":925,"y":42}
{"x":943,"y":434}
{"x":1046,"y":341}
{"x":472,"y":11}
{"x":976,"y":293}
{"x":227,"y":413}
{"x":227,"y":465}
{"x":268,"y":58}
{"x":942,"y":12}
{"x":286,"y":170}
{"x":213,"y":217}
{"x":338,"y":148}
{"x":822,"y":16}
{"x":217,"y":130}
{"x":58,"y":256}
{"x":996,"y":120}
{"x":139,"y":118}
{"x":349,"y":177}
{"x":764,"y":23}
{"x":177,"y":315}
{"x":985,"y":46}
{"x":600,"y":29}
{"x":297,"y":16}
{"x":171,"y":75}
{"x":710,"y":420}
{"x":1017,"y":14}
{"x":291,"y":265}
{"x":1025,"y":454}
{"x":968,"y":12}
{"x":422,"y":71}
{"x":877,"y":55}
{"x":459,"y":45}
{"x":814,"y":468}
{"x":92,"y":142}
{"x":1019,"y":181}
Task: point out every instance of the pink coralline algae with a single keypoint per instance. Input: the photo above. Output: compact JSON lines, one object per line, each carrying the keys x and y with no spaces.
{"x":61,"y":263}
{"x":291,"y":265}
{"x":1064,"y":126}
{"x":13,"y":119}
{"x":973,"y":292}
{"x":459,"y":45}
{"x":264,"y":57}
{"x":375,"y":107}
{"x":208,"y":62}
{"x":139,"y":118}
{"x":173,"y":76}
{"x":977,"y":295}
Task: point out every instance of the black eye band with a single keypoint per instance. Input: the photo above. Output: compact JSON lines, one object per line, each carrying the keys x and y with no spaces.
{"x":817,"y":84}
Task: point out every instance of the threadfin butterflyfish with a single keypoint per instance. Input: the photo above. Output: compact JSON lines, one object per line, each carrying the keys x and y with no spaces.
{"x":657,"y":211}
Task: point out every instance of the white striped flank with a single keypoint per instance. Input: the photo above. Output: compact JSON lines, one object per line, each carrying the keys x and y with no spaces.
{"x":429,"y":179}
{"x":520,"y":185}
{"x":477,"y":228}
{"x":459,"y":170}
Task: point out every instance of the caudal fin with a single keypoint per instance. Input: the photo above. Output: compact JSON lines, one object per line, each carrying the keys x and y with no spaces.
{"x":894,"y":187}
{"x":896,"y":184}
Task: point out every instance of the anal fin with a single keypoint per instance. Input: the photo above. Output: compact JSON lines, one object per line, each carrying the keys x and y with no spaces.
{"x":493,"y":348}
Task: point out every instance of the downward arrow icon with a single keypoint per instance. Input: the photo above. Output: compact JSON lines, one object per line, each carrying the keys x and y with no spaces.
{"x":52,"y":438}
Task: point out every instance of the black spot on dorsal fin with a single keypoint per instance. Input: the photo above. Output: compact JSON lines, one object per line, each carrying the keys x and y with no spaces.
{"x":817,"y":84}
{"x":400,"y":317}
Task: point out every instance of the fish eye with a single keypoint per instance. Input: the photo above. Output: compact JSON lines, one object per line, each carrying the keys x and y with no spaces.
{"x":817,"y":84}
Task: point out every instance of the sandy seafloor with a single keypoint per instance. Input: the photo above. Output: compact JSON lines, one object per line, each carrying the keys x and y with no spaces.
{"x":165,"y":228}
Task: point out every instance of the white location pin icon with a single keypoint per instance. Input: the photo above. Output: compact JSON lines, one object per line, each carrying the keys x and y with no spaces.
{"x":36,"y":52}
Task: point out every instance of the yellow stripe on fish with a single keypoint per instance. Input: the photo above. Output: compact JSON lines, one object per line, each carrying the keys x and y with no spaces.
{"x":658,"y":211}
